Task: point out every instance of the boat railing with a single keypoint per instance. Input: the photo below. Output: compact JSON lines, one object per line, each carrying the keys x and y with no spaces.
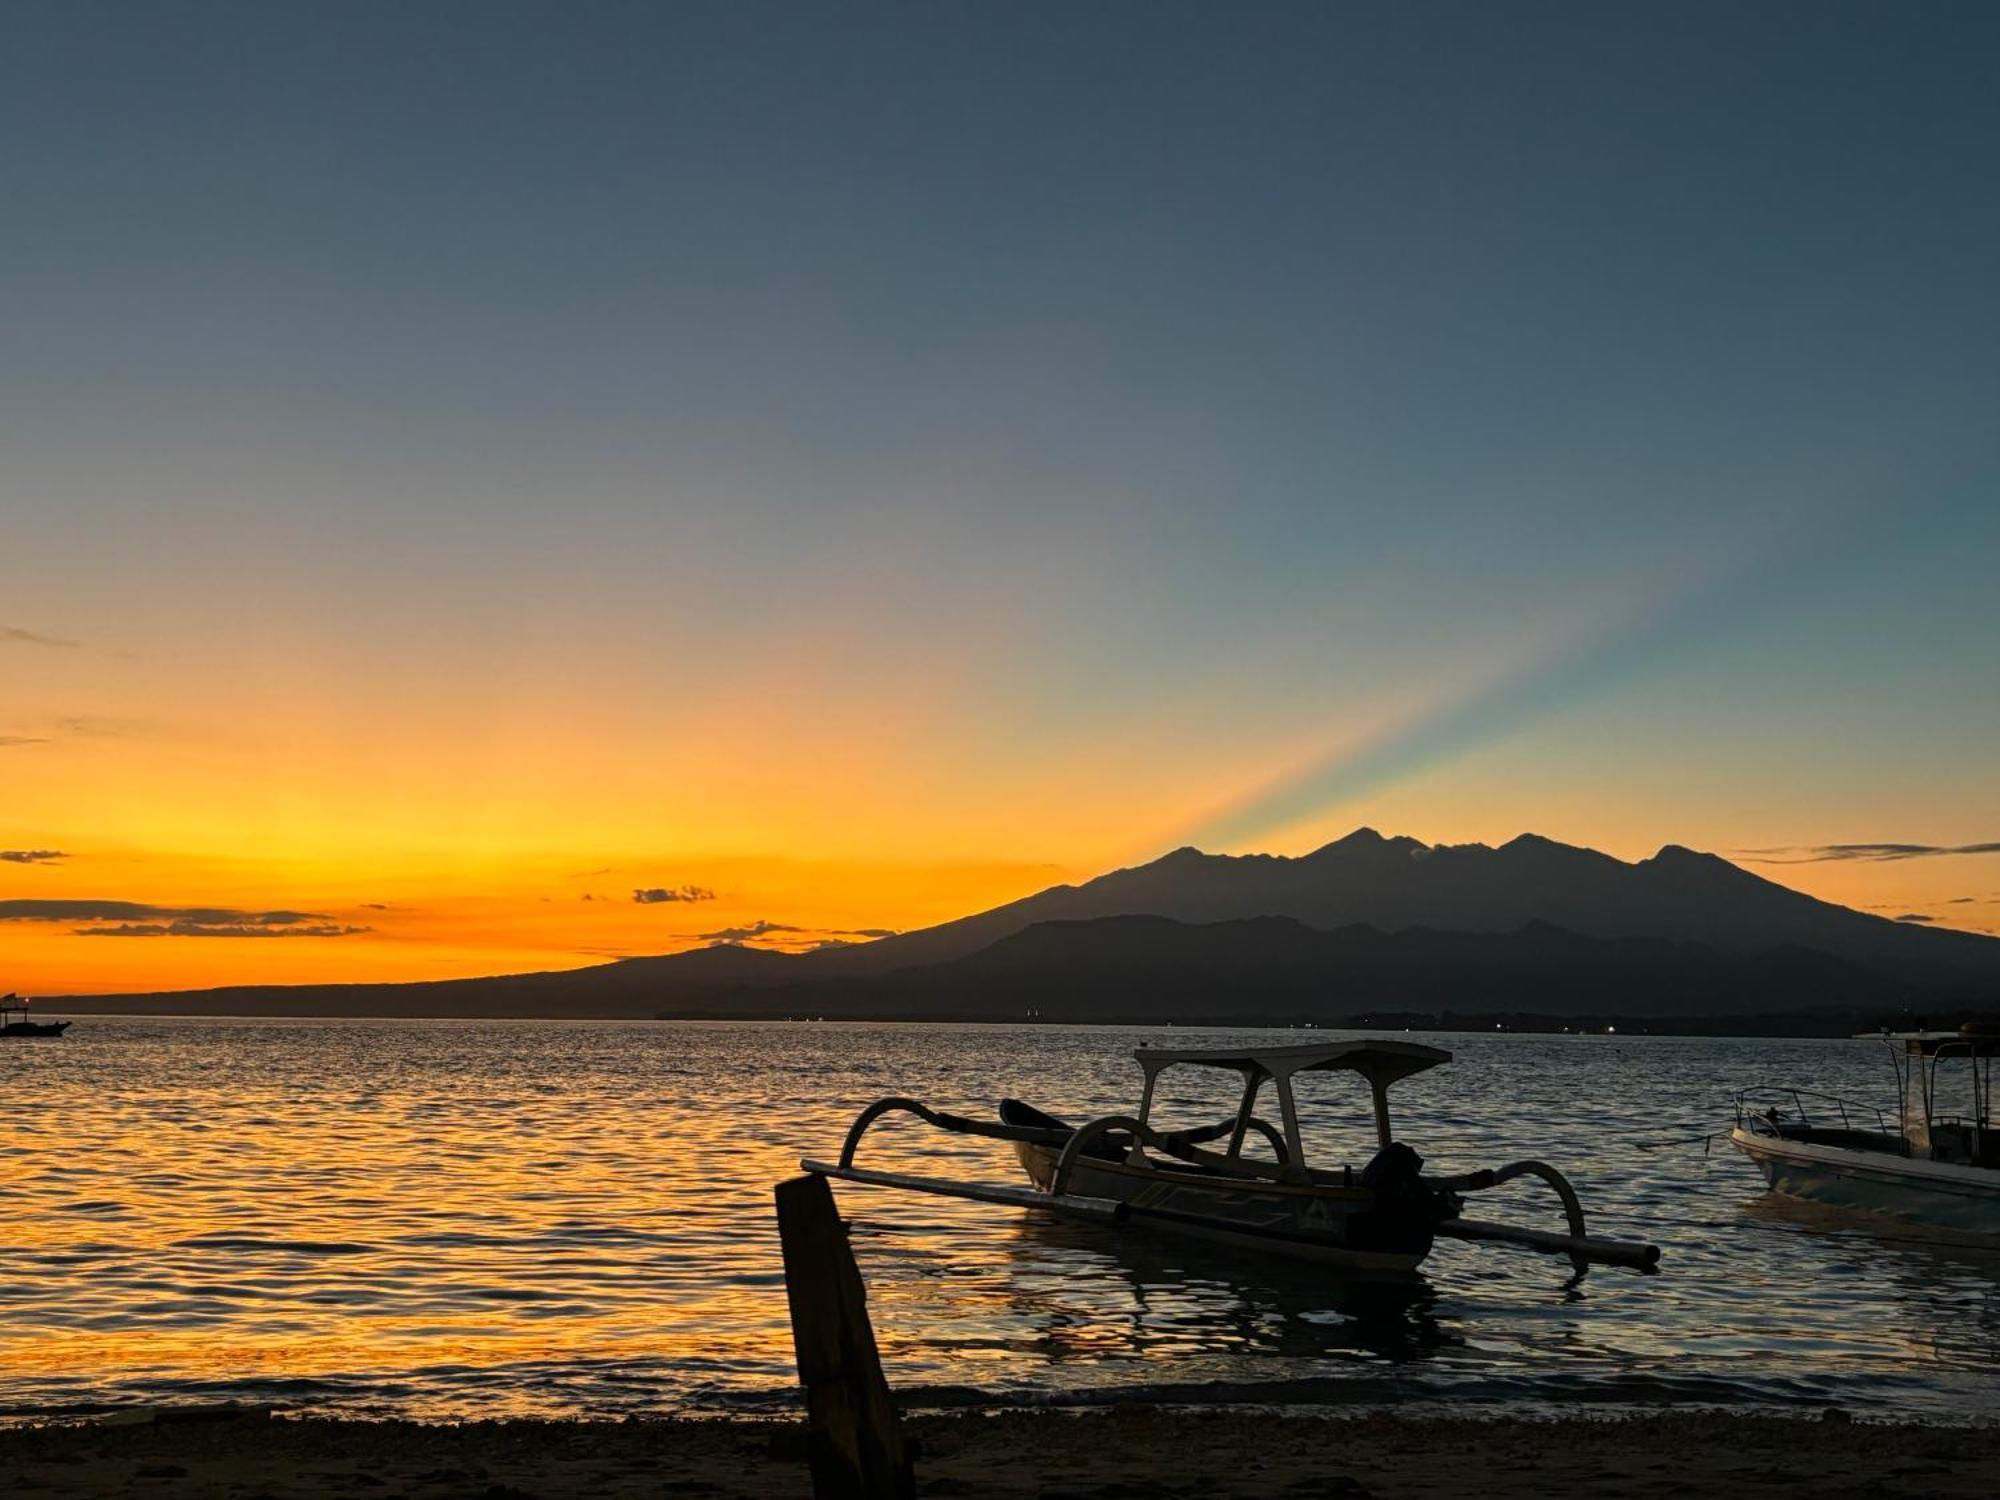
{"x":1757,"y":1111}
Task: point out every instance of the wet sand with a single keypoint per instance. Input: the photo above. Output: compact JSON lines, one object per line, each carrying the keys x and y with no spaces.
{"x":1127,"y":1452}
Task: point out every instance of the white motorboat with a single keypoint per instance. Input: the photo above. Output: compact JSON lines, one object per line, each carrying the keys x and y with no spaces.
{"x":1935,"y":1161}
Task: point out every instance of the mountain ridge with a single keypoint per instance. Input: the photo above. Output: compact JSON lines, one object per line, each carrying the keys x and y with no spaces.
{"x":1393,"y":883}
{"x":1681,"y":911}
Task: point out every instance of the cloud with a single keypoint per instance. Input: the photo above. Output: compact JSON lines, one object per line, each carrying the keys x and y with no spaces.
{"x":89,"y":727}
{"x":823,"y":937}
{"x":654,"y":895}
{"x":15,"y":635}
{"x":31,"y":856}
{"x":852,"y":939}
{"x":94,"y":727}
{"x":141,"y":919}
{"x":220,"y":930}
{"x":748,"y":933}
{"x":74,"y":911}
{"x":1817,"y":854}
{"x":1963,"y":901}
{"x":1913,"y":916}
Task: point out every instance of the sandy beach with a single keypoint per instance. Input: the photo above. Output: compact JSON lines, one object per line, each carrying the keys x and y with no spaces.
{"x":1122,"y":1452}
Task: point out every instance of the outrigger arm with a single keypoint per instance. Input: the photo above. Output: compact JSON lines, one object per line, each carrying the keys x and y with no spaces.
{"x":1130,"y":1133}
{"x":1109,"y":1210}
{"x":1581,"y":1248}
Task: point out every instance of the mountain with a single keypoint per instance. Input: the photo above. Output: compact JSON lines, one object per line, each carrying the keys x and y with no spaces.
{"x":1392,"y":884}
{"x":1365,"y":924}
{"x":1154,"y":969}
{"x":628,"y":987}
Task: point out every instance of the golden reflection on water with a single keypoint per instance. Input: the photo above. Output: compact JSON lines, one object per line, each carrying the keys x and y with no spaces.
{"x":460,"y":1219}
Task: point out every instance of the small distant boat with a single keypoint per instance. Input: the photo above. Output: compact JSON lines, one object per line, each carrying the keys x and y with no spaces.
{"x":1937,"y":1161}
{"x":1121,"y":1169}
{"x":14,"y":1020}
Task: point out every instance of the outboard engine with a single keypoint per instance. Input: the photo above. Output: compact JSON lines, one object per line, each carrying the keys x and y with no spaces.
{"x":1396,"y":1174}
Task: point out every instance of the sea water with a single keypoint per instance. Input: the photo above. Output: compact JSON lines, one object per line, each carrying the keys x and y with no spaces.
{"x":455,"y":1219}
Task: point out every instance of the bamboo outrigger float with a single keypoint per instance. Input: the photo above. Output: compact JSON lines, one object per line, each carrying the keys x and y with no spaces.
{"x":1120,"y":1169}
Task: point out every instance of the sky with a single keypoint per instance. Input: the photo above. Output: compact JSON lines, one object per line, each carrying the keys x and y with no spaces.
{"x":490,"y":487}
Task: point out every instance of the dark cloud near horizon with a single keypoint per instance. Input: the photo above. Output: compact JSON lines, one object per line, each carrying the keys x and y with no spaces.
{"x":748,"y":933}
{"x":655,"y":895}
{"x":833,"y":937}
{"x":1913,"y":916}
{"x":142,"y":919}
{"x":23,"y":739}
{"x":1822,"y":853}
{"x":85,"y":910}
{"x":251,"y":929}
{"x":17,"y":636}
{"x":31,"y":856}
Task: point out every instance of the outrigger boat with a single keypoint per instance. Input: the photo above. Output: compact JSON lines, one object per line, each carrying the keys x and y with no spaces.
{"x":1120,"y":1169}
{"x":1931,"y":1163}
{"x":14,"y":1020}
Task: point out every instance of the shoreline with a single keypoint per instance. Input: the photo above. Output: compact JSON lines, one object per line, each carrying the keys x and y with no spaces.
{"x":1121,"y":1451}
{"x":1765,"y":1027}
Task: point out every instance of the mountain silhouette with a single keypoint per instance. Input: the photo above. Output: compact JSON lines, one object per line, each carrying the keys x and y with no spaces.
{"x":1391,"y":884}
{"x":1366,"y":924}
{"x":1154,"y":969}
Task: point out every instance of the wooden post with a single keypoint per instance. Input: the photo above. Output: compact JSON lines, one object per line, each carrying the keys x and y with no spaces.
{"x":852,"y":1441}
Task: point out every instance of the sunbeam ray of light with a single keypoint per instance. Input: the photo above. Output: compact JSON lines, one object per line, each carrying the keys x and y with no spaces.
{"x":1672,"y":622}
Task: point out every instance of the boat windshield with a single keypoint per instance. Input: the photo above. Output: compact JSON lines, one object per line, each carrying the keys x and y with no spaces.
{"x":1944,"y":1086}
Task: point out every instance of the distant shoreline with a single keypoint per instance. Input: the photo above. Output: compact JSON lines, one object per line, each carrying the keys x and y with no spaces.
{"x":1773,"y":1027}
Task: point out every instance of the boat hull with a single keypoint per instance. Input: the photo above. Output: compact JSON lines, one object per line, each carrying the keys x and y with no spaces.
{"x":1344,"y":1227}
{"x":34,"y":1028}
{"x":1929,"y":1192}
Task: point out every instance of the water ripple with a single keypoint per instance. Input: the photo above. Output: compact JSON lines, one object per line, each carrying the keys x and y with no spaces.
{"x":456,"y":1219}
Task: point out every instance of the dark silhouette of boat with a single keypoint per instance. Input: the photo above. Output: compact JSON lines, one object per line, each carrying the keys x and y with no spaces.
{"x":1123,"y":1170}
{"x":14,"y":1020}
